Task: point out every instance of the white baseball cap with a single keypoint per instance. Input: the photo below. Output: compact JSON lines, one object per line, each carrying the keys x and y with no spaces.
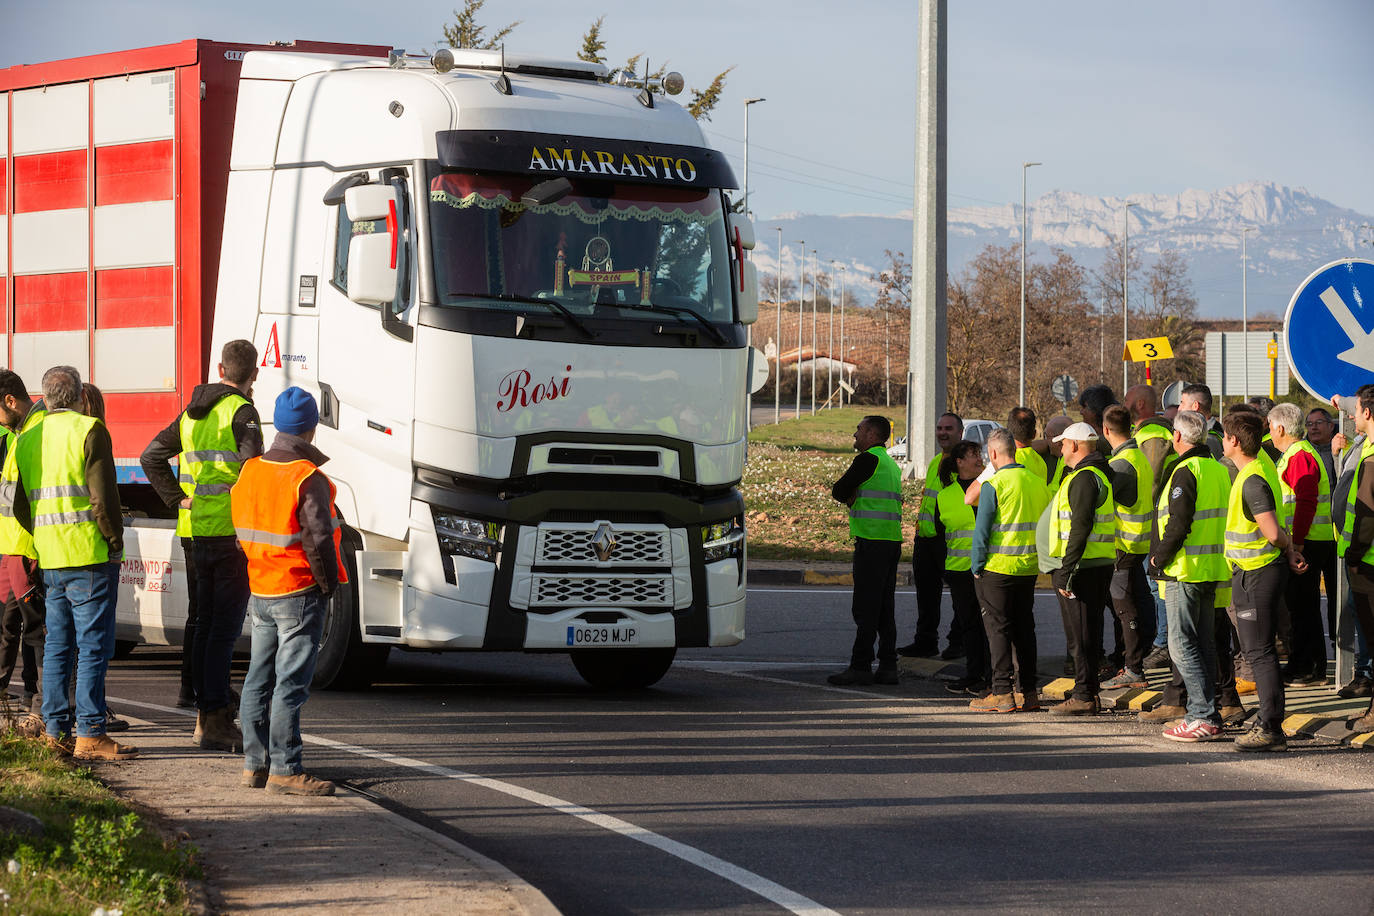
{"x":1078,"y":432}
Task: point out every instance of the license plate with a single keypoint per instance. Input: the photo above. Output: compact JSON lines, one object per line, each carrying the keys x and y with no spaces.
{"x":600,"y":635}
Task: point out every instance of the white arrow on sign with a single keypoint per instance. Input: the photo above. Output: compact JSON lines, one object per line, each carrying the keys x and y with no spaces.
{"x":1361,"y":352}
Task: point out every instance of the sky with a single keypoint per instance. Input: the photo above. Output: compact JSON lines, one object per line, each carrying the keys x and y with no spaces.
{"x":1114,"y":98}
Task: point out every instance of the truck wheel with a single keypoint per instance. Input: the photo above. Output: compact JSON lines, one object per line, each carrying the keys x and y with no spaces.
{"x":623,"y":669}
{"x":124,"y":648}
{"x":344,"y":662}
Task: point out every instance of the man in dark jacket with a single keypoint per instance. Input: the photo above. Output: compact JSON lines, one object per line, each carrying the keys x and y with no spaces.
{"x":213,"y":436}
{"x":1083,"y":536}
{"x":283,"y":510}
{"x":21,"y":581}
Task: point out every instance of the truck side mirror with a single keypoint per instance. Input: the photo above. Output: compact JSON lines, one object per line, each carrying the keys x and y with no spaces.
{"x":749,"y":296}
{"x":372,"y":255}
{"x":741,"y":229}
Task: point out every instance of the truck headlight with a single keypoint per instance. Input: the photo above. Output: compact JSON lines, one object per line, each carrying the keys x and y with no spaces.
{"x":723,"y":539}
{"x":461,"y":536}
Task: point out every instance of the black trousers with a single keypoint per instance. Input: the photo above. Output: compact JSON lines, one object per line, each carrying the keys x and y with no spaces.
{"x":968,"y":618}
{"x":927,"y":575}
{"x":23,"y":626}
{"x":1082,"y":615}
{"x":221,"y":604}
{"x":875,"y":597}
{"x":188,"y":636}
{"x":1307,"y":651}
{"x":1255,"y":594}
{"x":1009,"y":620}
{"x":1133,"y":606}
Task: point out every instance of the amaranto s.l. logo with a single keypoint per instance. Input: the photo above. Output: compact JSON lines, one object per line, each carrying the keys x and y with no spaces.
{"x":516,"y":390}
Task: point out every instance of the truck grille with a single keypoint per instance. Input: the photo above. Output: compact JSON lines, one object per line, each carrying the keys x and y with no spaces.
{"x":576,"y":545}
{"x":607,"y":590}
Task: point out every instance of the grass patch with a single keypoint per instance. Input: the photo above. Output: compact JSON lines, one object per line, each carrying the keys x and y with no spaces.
{"x":96,"y":850}
{"x":786,"y":486}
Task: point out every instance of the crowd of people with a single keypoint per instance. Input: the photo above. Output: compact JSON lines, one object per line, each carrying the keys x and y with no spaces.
{"x":1204,"y":540}
{"x":259,"y":534}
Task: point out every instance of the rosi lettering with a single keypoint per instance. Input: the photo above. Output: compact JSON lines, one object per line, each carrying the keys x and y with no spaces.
{"x":516,"y":391}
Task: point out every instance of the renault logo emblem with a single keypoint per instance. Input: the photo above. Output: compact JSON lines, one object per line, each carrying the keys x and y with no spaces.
{"x":604,"y":542}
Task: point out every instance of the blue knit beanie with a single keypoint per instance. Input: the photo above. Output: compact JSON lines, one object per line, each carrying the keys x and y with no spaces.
{"x":295,"y":412}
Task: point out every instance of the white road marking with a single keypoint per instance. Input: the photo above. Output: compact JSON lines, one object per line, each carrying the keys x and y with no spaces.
{"x":769,"y":890}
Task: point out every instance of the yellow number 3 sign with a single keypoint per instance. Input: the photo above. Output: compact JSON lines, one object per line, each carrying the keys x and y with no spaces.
{"x":1147,"y":349}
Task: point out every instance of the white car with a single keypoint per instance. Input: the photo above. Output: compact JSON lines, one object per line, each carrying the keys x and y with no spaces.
{"x":974,"y":431}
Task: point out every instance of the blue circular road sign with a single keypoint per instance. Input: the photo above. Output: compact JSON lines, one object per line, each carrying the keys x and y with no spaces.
{"x":1329,"y":329}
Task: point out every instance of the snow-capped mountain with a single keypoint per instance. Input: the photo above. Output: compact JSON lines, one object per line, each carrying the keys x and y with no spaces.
{"x":1292,"y":234}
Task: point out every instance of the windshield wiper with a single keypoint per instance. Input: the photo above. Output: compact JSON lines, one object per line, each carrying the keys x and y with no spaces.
{"x":681,"y":313}
{"x":554,"y":304}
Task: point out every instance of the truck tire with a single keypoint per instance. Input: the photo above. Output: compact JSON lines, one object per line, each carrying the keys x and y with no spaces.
{"x":344,"y":662}
{"x":623,"y":669}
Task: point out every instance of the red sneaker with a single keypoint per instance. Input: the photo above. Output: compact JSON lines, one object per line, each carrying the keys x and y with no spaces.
{"x":1197,"y":730}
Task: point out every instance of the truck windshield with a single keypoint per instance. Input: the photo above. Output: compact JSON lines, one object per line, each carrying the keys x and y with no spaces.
{"x":605,"y":250}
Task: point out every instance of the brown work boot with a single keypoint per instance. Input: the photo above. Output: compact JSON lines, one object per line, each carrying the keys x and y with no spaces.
{"x":1074,"y":706}
{"x":1234,"y":715}
{"x":994,"y":702}
{"x":1027,"y":702}
{"x":219,"y":732}
{"x":63,"y":745}
{"x":299,"y":784}
{"x":1364,"y":723}
{"x":102,"y":747}
{"x":1163,"y":714}
{"x":253,"y":779}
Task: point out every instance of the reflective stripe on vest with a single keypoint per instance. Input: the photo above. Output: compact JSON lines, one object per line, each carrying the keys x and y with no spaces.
{"x":958,"y":518}
{"x":51,"y":459}
{"x":1021,"y":498}
{"x":1322,"y":529}
{"x":15,"y":541}
{"x":1133,"y":521}
{"x":876,"y":514}
{"x":1201,"y":558}
{"x":930,"y":491}
{"x":264,"y":504}
{"x":1102,"y":539}
{"x":1246,"y":547}
{"x":209,"y":465}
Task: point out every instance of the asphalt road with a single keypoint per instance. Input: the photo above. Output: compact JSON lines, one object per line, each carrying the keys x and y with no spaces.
{"x":742,"y":783}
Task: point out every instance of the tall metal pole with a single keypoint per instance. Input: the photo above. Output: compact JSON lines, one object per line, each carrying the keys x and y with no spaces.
{"x":1021,"y":392}
{"x":830,"y":347}
{"x":844,"y":354}
{"x":747,"y":103}
{"x":1125,"y":303}
{"x":777,"y":347}
{"x":1244,"y":315}
{"x":814,"y":339}
{"x":929,"y":333}
{"x":801,"y":306}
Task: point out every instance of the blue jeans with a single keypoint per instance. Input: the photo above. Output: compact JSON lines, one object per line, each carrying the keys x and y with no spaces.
{"x":81,"y":634}
{"x":1363,"y":662}
{"x":1161,"y":633}
{"x":1192,"y":645}
{"x":286,"y":641}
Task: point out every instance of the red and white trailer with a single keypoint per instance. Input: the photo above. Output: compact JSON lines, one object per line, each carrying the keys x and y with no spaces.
{"x":113,"y":174}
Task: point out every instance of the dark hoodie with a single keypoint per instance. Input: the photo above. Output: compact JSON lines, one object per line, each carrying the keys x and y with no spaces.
{"x":166,"y":445}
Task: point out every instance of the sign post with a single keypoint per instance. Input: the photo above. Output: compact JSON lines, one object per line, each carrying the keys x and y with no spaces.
{"x":1146,"y":349}
{"x":1064,"y":389}
{"x":1327,"y":311}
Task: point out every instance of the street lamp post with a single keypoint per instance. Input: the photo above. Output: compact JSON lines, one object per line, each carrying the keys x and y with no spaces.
{"x":747,"y":103}
{"x":1021,"y":392}
{"x":843,"y":360}
{"x":1244,"y":316}
{"x":815,"y":258}
{"x":777,"y":347}
{"x":830,"y":347}
{"x":801,"y":305}
{"x":1125,"y":303}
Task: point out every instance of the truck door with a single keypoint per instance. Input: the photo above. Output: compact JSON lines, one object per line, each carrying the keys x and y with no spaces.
{"x":367,"y":370}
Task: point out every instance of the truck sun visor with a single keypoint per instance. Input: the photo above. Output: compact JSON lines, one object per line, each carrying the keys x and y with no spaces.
{"x":554,"y":155}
